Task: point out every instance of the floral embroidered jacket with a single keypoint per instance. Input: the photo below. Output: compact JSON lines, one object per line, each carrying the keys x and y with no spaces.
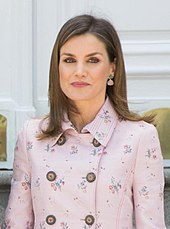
{"x":95,"y":179}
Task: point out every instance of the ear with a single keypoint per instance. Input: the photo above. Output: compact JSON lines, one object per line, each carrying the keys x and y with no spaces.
{"x":113,"y":67}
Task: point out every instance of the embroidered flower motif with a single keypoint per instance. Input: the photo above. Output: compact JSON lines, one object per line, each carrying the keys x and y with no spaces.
{"x":96,"y":152}
{"x":161,"y":193}
{"x":128,"y":149}
{"x":110,"y":204}
{"x":151,"y":153}
{"x":47,"y":149}
{"x":98,"y":225}
{"x":26,"y":184}
{"x":29,"y":225}
{"x":37,"y":182}
{"x":85,"y":226}
{"x":100,"y":135}
{"x":115,"y":185}
{"x":73,"y":150}
{"x":42,"y":225}
{"x":105,"y":115}
{"x":29,"y":145}
{"x":144,"y":192}
{"x":83,"y":184}
{"x":6,"y":225}
{"x":64,"y":225}
{"x":57,"y":184}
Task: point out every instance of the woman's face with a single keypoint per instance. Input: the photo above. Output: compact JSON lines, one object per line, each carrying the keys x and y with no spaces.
{"x":84,"y":68}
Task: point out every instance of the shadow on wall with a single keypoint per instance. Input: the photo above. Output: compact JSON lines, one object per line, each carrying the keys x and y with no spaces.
{"x":162,"y":122}
{"x":3,"y":124}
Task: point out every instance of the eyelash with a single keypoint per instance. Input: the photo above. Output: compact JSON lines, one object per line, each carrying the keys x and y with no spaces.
{"x":92,"y":60}
{"x":69,"y":60}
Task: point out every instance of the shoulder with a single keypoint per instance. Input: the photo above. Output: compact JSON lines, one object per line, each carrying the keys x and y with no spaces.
{"x":138,"y":127}
{"x":33,"y":126}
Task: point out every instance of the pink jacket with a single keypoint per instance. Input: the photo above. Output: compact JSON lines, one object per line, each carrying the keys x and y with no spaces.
{"x":92,"y":180}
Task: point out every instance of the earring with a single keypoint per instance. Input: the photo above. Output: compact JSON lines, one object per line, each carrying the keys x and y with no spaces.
{"x":110,"y":81}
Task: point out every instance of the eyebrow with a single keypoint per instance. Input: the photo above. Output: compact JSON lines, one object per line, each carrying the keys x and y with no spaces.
{"x":90,"y":54}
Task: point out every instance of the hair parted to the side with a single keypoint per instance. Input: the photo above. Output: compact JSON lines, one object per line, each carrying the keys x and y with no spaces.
{"x":58,"y":102}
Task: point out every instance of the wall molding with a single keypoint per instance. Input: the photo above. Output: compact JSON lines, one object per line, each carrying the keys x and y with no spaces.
{"x":148,"y":72}
{"x":144,"y":35}
{"x":146,"y":48}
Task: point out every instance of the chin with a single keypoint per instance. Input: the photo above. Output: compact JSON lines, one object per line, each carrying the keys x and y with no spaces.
{"x":77,"y":96}
{"x":80,"y":99}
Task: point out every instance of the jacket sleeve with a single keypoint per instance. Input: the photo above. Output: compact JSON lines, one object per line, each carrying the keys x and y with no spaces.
{"x":148,"y":185}
{"x":19,"y":213}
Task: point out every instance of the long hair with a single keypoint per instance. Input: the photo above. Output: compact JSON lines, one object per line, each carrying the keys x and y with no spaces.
{"x":58,"y":102}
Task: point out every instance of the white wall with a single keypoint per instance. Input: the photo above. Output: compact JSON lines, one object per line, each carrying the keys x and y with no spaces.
{"x":29,"y":29}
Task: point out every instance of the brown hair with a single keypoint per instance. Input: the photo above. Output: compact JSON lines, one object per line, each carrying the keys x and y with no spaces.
{"x":59,"y":103}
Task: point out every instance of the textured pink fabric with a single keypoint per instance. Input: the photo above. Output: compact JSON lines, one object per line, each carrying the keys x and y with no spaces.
{"x":128,"y":170}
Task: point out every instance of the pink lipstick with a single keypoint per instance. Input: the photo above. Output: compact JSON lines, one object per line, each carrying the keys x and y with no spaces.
{"x":79,"y":84}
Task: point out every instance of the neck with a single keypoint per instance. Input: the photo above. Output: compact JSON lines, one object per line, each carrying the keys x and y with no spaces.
{"x":88,"y":112}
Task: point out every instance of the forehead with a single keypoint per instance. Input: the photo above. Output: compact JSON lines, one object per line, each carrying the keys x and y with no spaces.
{"x":84,"y":43}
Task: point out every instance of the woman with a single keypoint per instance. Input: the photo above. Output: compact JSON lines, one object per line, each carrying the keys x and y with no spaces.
{"x":91,"y":162}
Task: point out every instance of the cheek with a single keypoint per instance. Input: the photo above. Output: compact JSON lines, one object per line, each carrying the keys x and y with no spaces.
{"x":63,"y":74}
{"x":102,"y":74}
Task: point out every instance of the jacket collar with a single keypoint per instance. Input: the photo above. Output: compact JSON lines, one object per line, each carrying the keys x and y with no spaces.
{"x":101,"y":127}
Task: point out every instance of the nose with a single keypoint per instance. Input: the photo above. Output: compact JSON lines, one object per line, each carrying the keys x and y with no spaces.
{"x":80,"y":70}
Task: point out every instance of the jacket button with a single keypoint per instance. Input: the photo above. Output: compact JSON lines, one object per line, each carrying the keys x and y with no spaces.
{"x":89,"y":219}
{"x":51,"y":176}
{"x":61,"y":140}
{"x":91,"y":177}
{"x":96,"y":143}
{"x":50,"y":220}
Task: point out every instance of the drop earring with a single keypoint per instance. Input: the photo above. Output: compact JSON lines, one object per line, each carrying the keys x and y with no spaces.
{"x":110,"y":79}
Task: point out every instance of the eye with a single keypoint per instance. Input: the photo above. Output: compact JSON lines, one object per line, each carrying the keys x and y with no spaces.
{"x":93,"y":60}
{"x":69,"y":60}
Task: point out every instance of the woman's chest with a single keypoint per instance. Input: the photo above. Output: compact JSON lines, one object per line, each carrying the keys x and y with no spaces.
{"x":83,"y":160}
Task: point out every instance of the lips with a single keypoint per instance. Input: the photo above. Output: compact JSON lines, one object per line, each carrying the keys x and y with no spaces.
{"x":79,"y":84}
